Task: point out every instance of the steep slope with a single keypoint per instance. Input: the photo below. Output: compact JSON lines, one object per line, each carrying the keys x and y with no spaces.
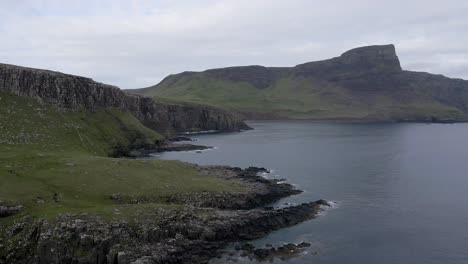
{"x":75,"y":93}
{"x":365,"y":83}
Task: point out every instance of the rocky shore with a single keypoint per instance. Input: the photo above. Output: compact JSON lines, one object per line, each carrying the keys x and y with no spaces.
{"x":195,"y":229}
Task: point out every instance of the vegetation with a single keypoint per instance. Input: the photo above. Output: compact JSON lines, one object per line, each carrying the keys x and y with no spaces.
{"x":299,"y":98}
{"x":54,"y":161}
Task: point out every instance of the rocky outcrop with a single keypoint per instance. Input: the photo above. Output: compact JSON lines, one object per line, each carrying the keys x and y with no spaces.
{"x":193,"y":232}
{"x":76,"y":93}
{"x":174,"y":236}
{"x":260,"y":191}
{"x":9,"y":210}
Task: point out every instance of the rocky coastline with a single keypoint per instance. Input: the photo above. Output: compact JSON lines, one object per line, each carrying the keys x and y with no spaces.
{"x":196,"y":229}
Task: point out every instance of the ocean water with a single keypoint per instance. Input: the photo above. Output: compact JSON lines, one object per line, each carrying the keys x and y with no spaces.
{"x":401,"y":189}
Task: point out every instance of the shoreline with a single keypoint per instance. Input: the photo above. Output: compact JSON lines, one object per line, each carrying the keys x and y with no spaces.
{"x":359,"y":121}
{"x":196,"y":230}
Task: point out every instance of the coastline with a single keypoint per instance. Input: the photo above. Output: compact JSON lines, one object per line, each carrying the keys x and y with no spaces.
{"x":194,"y":228}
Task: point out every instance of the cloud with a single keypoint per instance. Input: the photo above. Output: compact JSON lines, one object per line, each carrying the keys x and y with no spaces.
{"x":137,"y":43}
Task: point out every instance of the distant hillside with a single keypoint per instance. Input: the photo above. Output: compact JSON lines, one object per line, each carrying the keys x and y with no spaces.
{"x":365,"y":83}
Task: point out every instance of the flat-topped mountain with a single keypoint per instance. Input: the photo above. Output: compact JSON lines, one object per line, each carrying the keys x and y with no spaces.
{"x":365,"y":83}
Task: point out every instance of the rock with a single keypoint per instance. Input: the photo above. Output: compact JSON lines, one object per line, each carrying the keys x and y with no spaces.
{"x":237,"y":246}
{"x":180,"y":138}
{"x":57,"y":197}
{"x":116,"y":197}
{"x":247,"y":247}
{"x":260,"y":190}
{"x":303,"y":245}
{"x":181,"y":147}
{"x":192,"y":234}
{"x":323,"y":202}
{"x":10,"y":210}
{"x":262,"y":253}
{"x":290,"y":246}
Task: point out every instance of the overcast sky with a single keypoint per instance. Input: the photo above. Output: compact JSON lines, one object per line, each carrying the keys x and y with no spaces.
{"x":135,"y":44}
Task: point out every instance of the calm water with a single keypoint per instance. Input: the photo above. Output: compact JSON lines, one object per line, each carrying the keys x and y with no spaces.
{"x":402,"y":189}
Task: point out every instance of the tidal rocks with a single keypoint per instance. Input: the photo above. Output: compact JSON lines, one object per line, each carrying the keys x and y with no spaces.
{"x":180,"y":147}
{"x":270,"y":252}
{"x":258,"y":190}
{"x":174,"y":236}
{"x":180,"y":138}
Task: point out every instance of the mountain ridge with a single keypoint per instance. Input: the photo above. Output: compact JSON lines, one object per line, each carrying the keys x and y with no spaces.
{"x":365,"y":83}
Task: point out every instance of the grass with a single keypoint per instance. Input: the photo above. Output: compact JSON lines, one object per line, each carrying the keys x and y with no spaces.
{"x":300,"y":98}
{"x":54,"y":162}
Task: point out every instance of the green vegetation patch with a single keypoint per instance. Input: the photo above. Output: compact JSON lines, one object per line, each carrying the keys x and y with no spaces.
{"x":55,"y":161}
{"x":293,"y":97}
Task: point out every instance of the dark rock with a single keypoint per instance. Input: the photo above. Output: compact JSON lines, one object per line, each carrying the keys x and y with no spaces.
{"x":180,"y":138}
{"x":323,"y":202}
{"x":262,"y":253}
{"x":290,"y":246}
{"x":247,"y":247}
{"x":116,"y":197}
{"x":260,"y":191}
{"x":237,"y":246}
{"x":181,"y":147}
{"x":303,"y":245}
{"x":9,"y":210}
{"x":57,"y":197}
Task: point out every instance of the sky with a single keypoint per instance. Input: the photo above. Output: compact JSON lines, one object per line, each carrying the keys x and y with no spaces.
{"x":136,"y":43}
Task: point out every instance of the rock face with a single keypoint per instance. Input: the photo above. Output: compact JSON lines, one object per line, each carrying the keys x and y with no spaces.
{"x":76,"y":93}
{"x":188,"y":236}
{"x":378,"y":58}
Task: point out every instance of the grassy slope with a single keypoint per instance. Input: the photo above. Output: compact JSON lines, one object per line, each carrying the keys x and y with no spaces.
{"x":297,"y":99}
{"x":45,"y":152}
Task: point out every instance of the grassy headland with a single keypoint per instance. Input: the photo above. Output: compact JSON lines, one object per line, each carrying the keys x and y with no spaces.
{"x":54,"y":161}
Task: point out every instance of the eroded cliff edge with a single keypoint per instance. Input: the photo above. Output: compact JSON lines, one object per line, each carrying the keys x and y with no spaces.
{"x":76,"y":93}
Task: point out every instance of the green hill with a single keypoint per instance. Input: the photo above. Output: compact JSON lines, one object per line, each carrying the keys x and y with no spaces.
{"x":362,"y":84}
{"x":59,"y":134}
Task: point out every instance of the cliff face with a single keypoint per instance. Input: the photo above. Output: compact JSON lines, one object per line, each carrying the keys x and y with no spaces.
{"x":372,"y":59}
{"x":75,"y":93}
{"x":366,"y":83}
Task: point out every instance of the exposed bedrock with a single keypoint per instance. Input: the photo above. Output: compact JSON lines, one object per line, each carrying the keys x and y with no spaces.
{"x":175,"y":236}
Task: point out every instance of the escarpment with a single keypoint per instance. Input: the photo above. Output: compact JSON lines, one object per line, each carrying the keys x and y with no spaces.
{"x":76,"y":93}
{"x":365,"y":83}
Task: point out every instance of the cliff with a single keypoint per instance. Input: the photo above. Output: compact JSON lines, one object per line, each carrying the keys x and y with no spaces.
{"x":74,"y":93}
{"x":365,"y":83}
